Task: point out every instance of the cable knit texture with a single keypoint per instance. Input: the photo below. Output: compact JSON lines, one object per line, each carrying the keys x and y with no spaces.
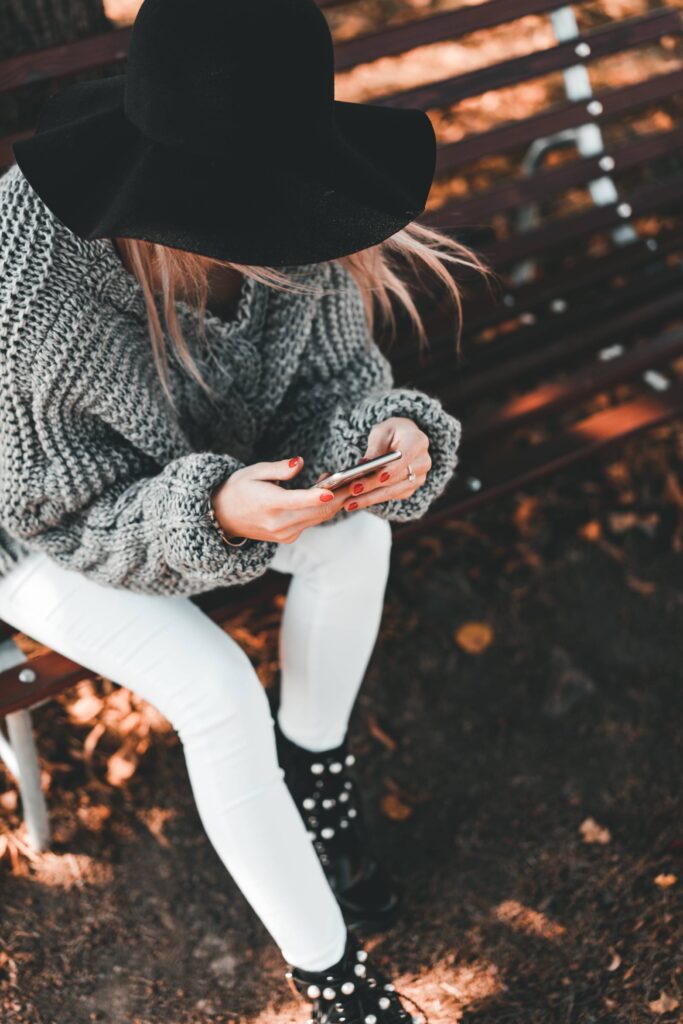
{"x":96,"y":469}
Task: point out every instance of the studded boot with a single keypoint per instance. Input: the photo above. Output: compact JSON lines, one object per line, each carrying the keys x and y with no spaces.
{"x":327,"y":796}
{"x":354,"y":991}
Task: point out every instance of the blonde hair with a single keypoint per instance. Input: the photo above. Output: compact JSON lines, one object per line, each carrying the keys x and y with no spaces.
{"x":379,"y":272}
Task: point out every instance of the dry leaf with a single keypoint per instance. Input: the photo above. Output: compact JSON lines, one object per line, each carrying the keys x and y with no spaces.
{"x":665,"y":1003}
{"x":92,"y":739}
{"x":9,"y":800}
{"x":474,"y":637}
{"x":594,"y":833}
{"x":615,"y":962}
{"x":85,"y":708}
{"x":665,"y":881}
{"x":394,"y":808}
{"x":379,"y":733}
{"x":591,"y":531}
{"x":644,"y":587}
{"x":121,"y":766}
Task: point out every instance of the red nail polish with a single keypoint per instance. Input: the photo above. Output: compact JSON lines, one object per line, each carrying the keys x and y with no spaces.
{"x":354,"y":504}
{"x":294,"y":462}
{"x":384,"y":476}
{"x":326,"y":497}
{"x":357,"y":488}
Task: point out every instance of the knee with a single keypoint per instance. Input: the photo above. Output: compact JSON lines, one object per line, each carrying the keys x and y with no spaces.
{"x":371,"y":536}
{"x":224,"y":695}
{"x":364,"y":548}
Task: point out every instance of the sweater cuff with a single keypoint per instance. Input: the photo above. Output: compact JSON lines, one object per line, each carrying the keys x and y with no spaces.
{"x":193,"y":546}
{"x":444,"y":433}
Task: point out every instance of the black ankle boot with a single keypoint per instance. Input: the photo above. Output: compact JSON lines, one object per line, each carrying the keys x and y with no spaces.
{"x":328,"y":799}
{"x":353,"y":991}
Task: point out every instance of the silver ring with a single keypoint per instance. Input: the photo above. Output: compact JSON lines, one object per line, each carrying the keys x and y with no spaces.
{"x":411,"y":474}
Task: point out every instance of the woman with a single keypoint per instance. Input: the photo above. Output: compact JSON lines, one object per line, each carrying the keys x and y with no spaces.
{"x":185,"y":352}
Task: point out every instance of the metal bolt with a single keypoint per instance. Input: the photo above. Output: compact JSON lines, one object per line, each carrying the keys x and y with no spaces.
{"x":606,"y":163}
{"x":473,"y":484}
{"x":558,"y":306}
{"x":582,"y":50}
{"x":27,"y":675}
{"x":611,"y":352}
{"x":624,"y":210}
{"x":656,"y":380}
{"x":595,"y":108}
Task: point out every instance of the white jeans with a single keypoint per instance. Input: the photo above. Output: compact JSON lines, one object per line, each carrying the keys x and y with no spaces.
{"x":173,"y":655}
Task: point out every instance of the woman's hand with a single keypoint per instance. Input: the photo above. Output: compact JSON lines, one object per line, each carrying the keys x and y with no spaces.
{"x":249,"y":505}
{"x":391,"y":481}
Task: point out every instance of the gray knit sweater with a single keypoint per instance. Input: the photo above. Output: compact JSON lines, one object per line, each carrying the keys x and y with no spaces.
{"x":96,"y":470}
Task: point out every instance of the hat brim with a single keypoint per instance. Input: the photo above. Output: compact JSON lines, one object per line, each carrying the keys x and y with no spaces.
{"x":366,"y":177}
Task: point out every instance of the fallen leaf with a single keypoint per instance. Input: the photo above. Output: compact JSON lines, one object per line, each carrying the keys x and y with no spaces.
{"x":85,"y":708}
{"x":665,"y":881}
{"x":394,"y":808}
{"x":665,"y":1003}
{"x":615,"y":962}
{"x":92,"y":739}
{"x":524,"y":515}
{"x":591,"y":531}
{"x":379,"y":734}
{"x":594,"y":833}
{"x":474,"y":637}
{"x":644,"y":587}
{"x":9,"y":800}
{"x":121,"y":766}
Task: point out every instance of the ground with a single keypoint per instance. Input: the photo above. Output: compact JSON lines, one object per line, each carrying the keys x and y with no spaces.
{"x":519,"y":734}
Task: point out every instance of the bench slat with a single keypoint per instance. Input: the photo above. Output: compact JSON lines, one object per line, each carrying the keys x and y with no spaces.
{"x":558,"y":395}
{"x":539,"y":350}
{"x":539,"y":295}
{"x":511,"y":134}
{"x":391,"y":42}
{"x":573,"y":226}
{"x":508,"y":469}
{"x":68,"y":59}
{"x":613,"y":38}
{"x":547,"y":184}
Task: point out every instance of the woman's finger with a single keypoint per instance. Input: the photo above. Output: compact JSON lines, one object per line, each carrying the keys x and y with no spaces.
{"x":399,"y":489}
{"x":393,"y":473}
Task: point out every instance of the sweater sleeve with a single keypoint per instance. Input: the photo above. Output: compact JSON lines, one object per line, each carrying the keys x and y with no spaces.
{"x":343,"y":388}
{"x":100,"y":509}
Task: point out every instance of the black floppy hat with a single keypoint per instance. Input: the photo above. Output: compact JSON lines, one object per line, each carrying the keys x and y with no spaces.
{"x":224,"y":138}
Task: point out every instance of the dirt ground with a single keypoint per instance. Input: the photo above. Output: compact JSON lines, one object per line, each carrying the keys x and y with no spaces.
{"x":519,"y":731}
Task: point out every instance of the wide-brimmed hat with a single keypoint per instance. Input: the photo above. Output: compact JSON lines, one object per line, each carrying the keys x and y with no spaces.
{"x":224,"y":138}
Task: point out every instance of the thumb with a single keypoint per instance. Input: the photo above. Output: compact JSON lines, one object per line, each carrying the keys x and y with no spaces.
{"x":379,"y":439}
{"x":284,"y":469}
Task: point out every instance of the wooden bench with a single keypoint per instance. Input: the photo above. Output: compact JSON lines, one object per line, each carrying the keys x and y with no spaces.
{"x":578,"y":206}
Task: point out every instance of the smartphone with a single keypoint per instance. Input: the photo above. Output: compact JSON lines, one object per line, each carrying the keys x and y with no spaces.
{"x":344,"y":476}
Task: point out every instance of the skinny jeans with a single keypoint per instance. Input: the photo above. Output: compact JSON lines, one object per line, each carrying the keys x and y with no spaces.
{"x":170,"y":653}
